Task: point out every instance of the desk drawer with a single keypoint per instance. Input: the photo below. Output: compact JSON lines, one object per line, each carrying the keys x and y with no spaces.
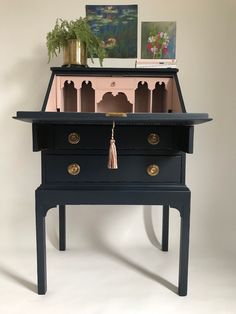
{"x":93,"y":168}
{"x":98,"y":137}
{"x":115,"y":83}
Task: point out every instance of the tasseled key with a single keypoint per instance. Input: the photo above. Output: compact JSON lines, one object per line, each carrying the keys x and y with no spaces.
{"x":112,"y":158}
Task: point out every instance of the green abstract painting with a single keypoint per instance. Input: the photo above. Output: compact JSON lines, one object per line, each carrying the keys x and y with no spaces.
{"x":116,"y":26}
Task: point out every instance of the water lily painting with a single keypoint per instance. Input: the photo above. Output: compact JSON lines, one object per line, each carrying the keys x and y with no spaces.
{"x":158,"y":40}
{"x":116,"y":26}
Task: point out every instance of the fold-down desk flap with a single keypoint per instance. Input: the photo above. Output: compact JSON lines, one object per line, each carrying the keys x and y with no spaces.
{"x":103,"y":118}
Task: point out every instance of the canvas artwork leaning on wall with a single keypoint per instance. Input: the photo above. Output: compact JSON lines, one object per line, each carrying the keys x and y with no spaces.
{"x":158,"y":40}
{"x":116,"y":26}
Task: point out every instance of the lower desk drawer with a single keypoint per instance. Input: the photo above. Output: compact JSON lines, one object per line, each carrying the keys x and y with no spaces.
{"x":93,"y":168}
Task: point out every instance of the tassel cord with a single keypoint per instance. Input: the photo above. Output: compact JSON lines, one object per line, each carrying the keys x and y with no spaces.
{"x":112,"y":158}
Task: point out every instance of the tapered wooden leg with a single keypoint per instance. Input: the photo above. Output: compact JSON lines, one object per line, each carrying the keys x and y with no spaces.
{"x":184,"y":251}
{"x":62,"y":227}
{"x":41,"y":251}
{"x":165,"y":228}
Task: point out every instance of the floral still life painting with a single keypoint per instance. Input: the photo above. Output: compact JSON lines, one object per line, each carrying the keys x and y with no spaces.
{"x":158,"y":40}
{"x":116,"y":26}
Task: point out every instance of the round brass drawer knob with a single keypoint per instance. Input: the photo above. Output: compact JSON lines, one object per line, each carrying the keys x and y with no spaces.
{"x":153,"y":138}
{"x":153,"y":170}
{"x":73,"y":169}
{"x":73,"y":138}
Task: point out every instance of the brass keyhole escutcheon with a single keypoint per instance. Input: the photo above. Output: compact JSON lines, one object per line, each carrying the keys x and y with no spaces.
{"x":153,"y":170}
{"x":73,"y":138}
{"x":153,"y":138}
{"x":113,"y":84}
{"x":73,"y":169}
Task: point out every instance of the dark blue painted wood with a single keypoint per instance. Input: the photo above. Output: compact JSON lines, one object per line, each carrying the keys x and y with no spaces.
{"x":184,"y":249}
{"x":62,"y":227}
{"x":41,"y":248}
{"x":77,"y":71}
{"x":130,"y":184}
{"x":165,"y":228}
{"x":55,"y":137}
{"x":48,"y":92}
{"x":93,"y":168}
{"x":101,"y":118}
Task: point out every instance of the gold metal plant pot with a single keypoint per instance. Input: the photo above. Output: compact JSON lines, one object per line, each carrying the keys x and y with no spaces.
{"x":75,"y":53}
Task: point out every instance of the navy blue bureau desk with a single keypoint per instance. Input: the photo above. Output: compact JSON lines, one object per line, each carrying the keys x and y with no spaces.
{"x":152,"y":134}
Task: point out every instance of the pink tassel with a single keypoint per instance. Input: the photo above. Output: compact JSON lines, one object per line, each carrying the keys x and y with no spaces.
{"x":112,"y":158}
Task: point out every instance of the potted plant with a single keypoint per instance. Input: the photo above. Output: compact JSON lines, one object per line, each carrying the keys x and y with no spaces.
{"x":77,"y":41}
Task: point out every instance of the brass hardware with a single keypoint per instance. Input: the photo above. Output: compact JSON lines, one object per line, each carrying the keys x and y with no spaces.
{"x":153,"y":139}
{"x":153,"y":170}
{"x":73,"y":138}
{"x":73,"y":169}
{"x":116,"y":114}
{"x":113,"y":84}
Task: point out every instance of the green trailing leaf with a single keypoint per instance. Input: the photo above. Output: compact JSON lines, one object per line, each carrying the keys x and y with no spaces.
{"x":77,"y":29}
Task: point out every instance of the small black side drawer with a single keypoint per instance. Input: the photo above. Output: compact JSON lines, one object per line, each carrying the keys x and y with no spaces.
{"x":93,"y":168}
{"x":127,"y":137}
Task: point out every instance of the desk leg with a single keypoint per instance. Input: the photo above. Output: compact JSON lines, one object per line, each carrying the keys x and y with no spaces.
{"x":184,"y":251}
{"x":41,"y":250}
{"x":165,"y":228}
{"x":62,"y":227}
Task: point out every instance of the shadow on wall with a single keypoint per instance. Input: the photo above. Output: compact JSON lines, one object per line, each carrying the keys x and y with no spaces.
{"x":24,"y":86}
{"x":28,"y":81}
{"x":94,"y":224}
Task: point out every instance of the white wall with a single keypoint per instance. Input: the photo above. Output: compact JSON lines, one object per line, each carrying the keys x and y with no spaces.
{"x":206,"y":58}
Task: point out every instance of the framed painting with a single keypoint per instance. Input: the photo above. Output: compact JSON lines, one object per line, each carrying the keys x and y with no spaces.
{"x":116,"y":26}
{"x":158,"y":40}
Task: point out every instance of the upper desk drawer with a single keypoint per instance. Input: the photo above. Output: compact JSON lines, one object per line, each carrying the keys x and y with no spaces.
{"x":98,"y":137}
